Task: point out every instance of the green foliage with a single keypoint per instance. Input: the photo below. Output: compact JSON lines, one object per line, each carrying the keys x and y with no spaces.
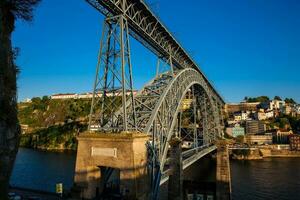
{"x":283,"y":122}
{"x":53,"y":124}
{"x":290,"y":101}
{"x":266,"y":99}
{"x":277,"y":98}
{"x":22,"y":9}
{"x":294,"y":123}
{"x":286,"y":121}
{"x":25,"y":141}
{"x":10,"y":10}
{"x":47,"y":112}
{"x":54,"y":137}
{"x":240,"y":139}
{"x":257,"y":99}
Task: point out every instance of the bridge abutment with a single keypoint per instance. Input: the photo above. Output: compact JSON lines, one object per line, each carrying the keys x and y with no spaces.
{"x":117,"y":160}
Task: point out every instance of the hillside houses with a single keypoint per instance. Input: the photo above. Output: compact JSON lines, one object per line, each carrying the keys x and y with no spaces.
{"x":262,"y":118}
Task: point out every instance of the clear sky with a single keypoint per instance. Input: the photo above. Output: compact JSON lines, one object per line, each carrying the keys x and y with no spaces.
{"x":245,"y":48}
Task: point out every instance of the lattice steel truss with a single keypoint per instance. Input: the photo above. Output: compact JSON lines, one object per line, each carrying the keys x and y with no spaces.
{"x":150,"y":31}
{"x":156,"y":109}
{"x":113,"y":84}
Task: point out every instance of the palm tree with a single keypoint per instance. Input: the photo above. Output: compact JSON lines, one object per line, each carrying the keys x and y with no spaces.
{"x":10,"y":10}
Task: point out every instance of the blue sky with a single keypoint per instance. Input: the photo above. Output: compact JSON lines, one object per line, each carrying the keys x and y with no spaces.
{"x":245,"y":48}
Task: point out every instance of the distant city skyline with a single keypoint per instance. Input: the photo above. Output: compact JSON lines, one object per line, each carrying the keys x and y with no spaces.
{"x":245,"y":48}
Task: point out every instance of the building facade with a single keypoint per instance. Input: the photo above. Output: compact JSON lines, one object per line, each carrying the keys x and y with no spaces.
{"x":269,"y":114}
{"x":261,"y":115}
{"x":235,"y":131}
{"x":255,"y":127}
{"x":277,"y":105}
{"x":243,"y":106}
{"x":258,"y":139}
{"x":238,"y":131}
{"x":295,"y":142}
{"x":282,"y":136}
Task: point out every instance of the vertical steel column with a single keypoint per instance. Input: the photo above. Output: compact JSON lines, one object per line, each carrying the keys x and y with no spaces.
{"x":123,"y":73}
{"x":96,"y":76}
{"x":222,"y":119}
{"x":205,"y":121}
{"x":113,"y":80}
{"x":195,"y":132}
{"x":157,"y":67}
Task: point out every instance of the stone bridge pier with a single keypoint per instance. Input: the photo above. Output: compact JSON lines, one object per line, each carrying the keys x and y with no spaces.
{"x":117,"y":164}
{"x":218,"y":184}
{"x":116,"y":159}
{"x":223,"y":178}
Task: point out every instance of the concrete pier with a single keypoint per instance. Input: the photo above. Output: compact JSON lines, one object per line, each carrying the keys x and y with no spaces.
{"x":124,"y":152}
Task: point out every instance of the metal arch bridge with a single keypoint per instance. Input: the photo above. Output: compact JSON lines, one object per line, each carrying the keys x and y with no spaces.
{"x":158,"y":108}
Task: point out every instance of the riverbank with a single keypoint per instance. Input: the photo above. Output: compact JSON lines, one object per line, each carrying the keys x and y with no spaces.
{"x":26,"y":193}
{"x":57,"y":138}
{"x":261,"y":152}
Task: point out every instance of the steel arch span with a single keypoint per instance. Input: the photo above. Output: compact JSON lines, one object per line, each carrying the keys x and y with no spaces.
{"x":163,"y":121}
{"x":157,"y":107}
{"x":180,"y":104}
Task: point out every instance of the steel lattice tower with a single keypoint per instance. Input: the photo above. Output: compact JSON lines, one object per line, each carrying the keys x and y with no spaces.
{"x":113,"y":82}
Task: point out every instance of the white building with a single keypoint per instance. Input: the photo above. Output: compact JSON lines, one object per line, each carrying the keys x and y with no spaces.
{"x":244,"y":116}
{"x":27,"y":100}
{"x":269,"y":114}
{"x":277,"y":105}
{"x":287,"y":109}
{"x":261,"y":115}
{"x":87,"y":95}
{"x":298,"y":109}
{"x":237,"y":117}
{"x":64,"y":96}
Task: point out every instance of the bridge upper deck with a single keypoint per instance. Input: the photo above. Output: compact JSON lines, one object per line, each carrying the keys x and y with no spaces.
{"x":150,"y":31}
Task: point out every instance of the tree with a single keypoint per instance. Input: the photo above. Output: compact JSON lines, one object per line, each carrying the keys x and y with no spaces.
{"x":277,"y":98}
{"x":45,"y":98}
{"x":290,"y":100}
{"x":263,"y":99}
{"x":10,"y":10}
{"x":258,"y":99}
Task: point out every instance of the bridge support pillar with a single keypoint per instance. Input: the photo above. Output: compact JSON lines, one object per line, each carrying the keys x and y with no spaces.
{"x":223,"y":180}
{"x":123,"y":156}
{"x":176,"y":177}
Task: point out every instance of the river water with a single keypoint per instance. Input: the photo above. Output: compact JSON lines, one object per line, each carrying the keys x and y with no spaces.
{"x":276,"y":178}
{"x":270,"y":178}
{"x":42,"y":170}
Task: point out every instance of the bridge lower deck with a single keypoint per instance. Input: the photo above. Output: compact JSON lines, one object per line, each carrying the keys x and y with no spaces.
{"x":191,"y":156}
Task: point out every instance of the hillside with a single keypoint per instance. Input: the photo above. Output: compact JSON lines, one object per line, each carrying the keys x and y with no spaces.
{"x":52,"y":124}
{"x":45,"y":112}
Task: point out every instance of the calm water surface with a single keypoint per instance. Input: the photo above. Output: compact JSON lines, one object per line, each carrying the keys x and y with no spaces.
{"x":277,"y":178}
{"x":271,"y":178}
{"x":42,"y":170}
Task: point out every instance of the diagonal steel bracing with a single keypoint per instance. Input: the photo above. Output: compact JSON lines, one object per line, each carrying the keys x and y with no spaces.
{"x":157,"y":109}
{"x":150,"y":31}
